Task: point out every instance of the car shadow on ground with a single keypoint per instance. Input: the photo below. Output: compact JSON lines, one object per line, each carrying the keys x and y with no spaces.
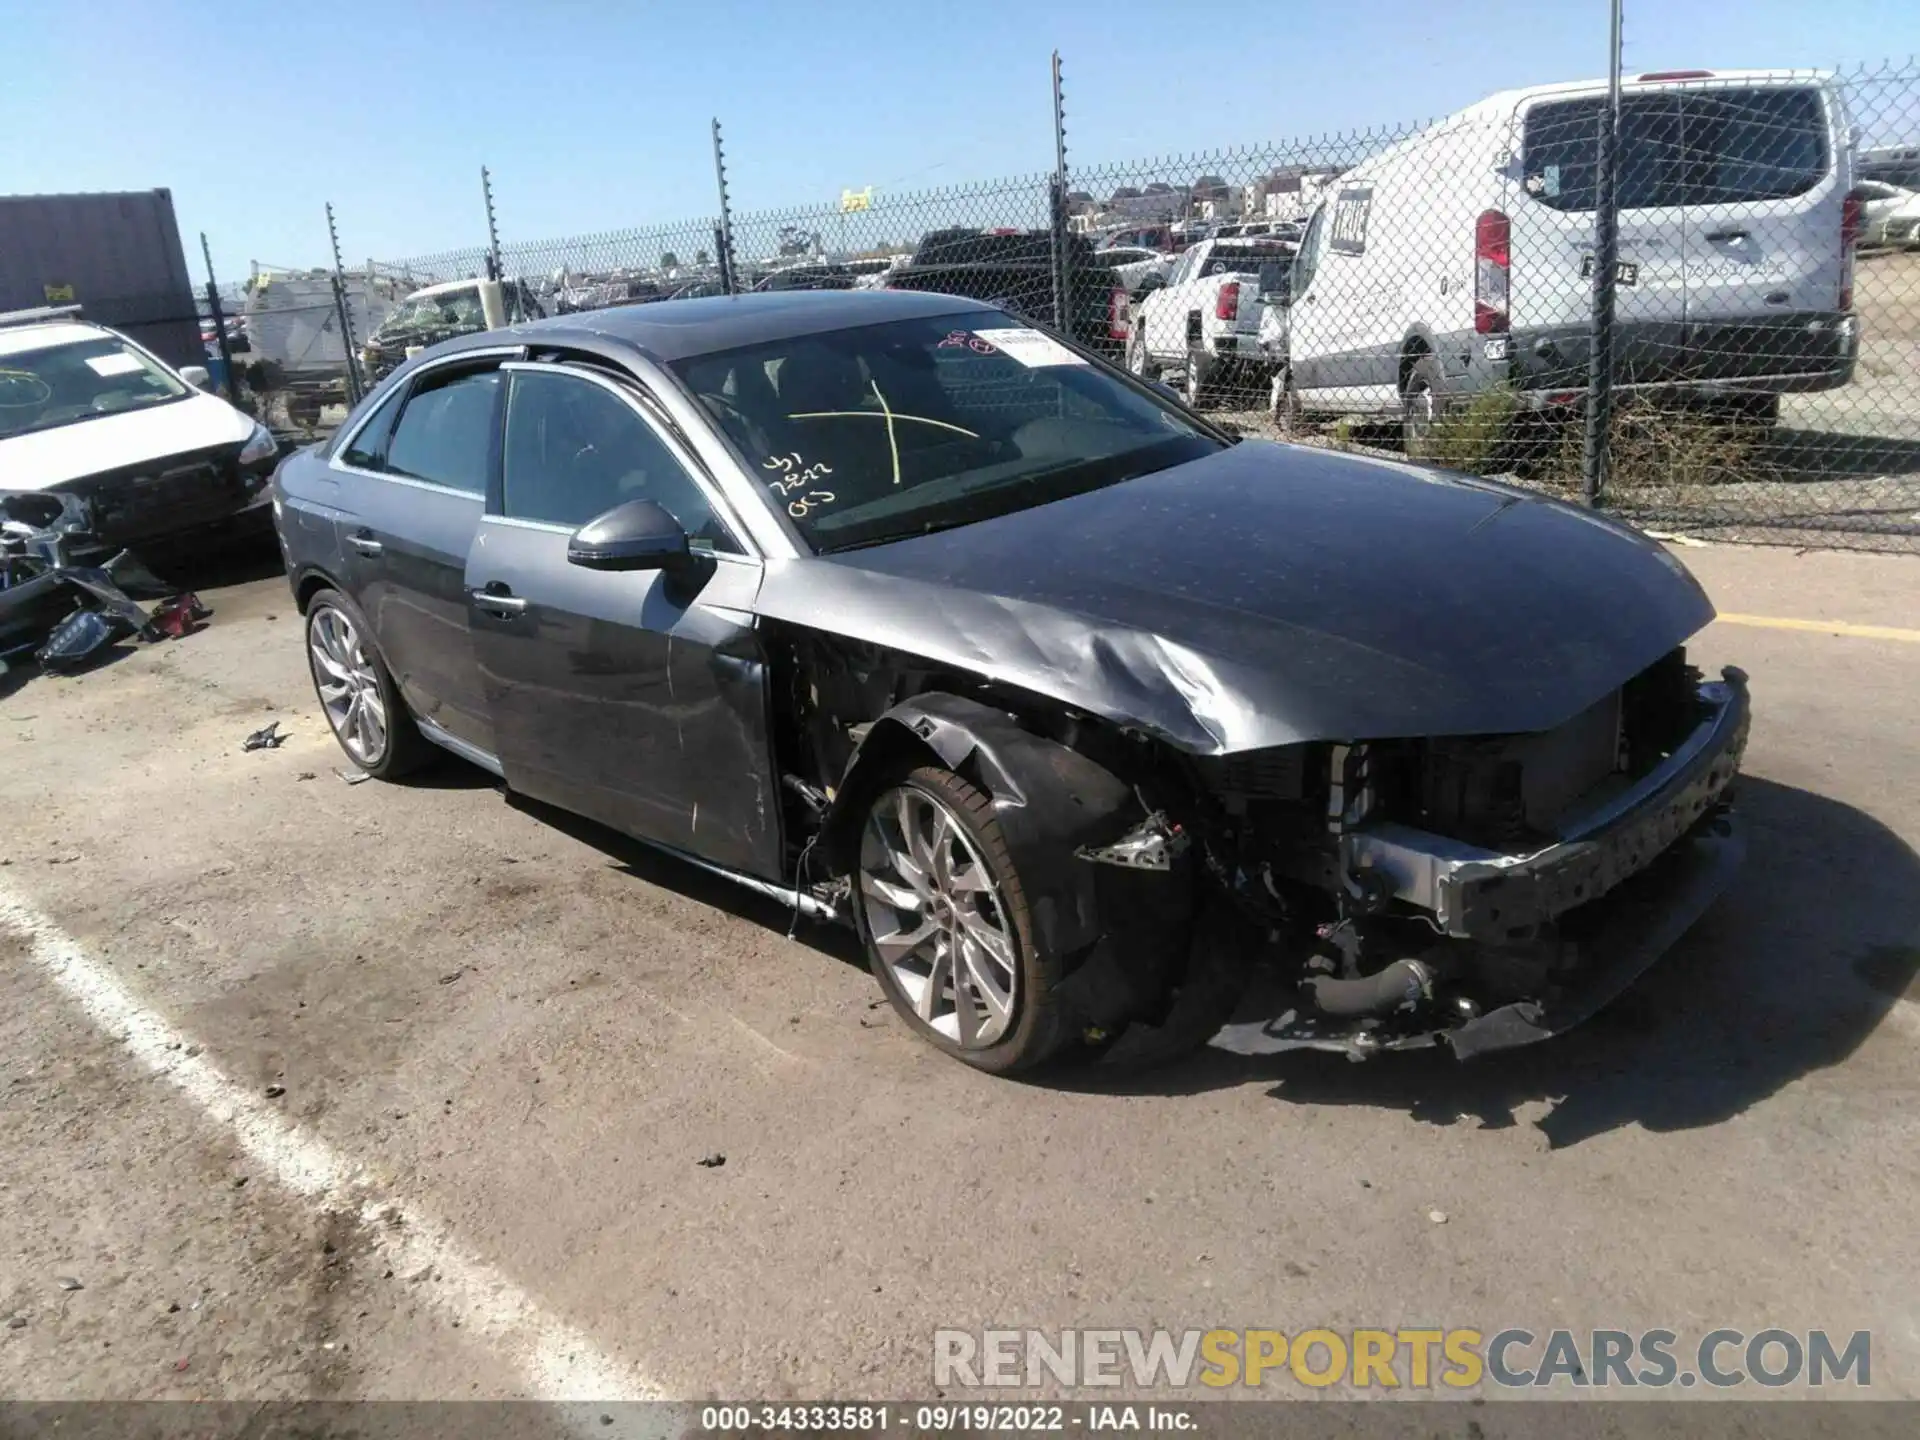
{"x":1794,"y":967}
{"x":1789,"y":454}
{"x":683,"y":877}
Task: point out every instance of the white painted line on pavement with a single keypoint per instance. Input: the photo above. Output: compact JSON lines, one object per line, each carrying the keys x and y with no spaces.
{"x":556,"y":1361}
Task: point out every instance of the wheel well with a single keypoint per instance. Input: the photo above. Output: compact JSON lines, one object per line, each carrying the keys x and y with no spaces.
{"x":309,"y":586}
{"x":1411,"y":349}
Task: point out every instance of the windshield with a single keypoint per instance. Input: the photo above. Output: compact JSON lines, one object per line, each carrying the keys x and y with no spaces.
{"x":885,"y":431}
{"x":40,"y":389}
{"x":455,"y":310}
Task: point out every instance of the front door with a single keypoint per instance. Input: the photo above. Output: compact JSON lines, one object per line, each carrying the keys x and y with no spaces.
{"x":637,"y":698}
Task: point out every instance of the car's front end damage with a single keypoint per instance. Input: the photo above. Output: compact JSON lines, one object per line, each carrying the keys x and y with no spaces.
{"x":1493,"y":891}
{"x":1340,"y":784}
{"x":1480,"y":892}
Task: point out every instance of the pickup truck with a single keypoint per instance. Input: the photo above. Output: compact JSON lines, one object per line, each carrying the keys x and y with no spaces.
{"x":1014,"y":270}
{"x":1204,"y":318}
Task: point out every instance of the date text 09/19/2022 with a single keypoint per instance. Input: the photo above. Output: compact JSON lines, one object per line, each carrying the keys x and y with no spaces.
{"x":940,"y":1418}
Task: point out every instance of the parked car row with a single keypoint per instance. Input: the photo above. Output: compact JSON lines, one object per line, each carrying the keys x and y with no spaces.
{"x":1426,"y":276}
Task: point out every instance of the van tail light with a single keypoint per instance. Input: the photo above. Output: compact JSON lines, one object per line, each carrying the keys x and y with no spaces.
{"x":1851,"y":217}
{"x":1657,"y":75}
{"x":1492,"y":258}
{"x":1119,"y":314}
{"x":1226,"y":305}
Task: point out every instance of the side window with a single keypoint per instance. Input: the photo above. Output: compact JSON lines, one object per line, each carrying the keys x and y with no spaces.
{"x":446,"y":433}
{"x":363,"y":451}
{"x":575,"y":450}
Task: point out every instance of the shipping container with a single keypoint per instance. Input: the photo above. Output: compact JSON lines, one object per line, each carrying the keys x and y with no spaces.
{"x":117,"y":255}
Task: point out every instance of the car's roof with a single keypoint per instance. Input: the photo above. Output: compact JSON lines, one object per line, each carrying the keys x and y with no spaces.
{"x":15,"y":339}
{"x":670,"y":330}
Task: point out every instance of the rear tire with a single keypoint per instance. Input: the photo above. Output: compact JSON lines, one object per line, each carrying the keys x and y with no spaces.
{"x":1420,"y":402}
{"x":934,"y":864}
{"x":1283,"y":404}
{"x":1139,"y":363}
{"x":1199,"y":388}
{"x":357,"y":693}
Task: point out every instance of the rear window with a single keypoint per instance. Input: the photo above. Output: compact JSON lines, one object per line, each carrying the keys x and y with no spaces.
{"x":1690,"y":147}
{"x":1266,"y":262}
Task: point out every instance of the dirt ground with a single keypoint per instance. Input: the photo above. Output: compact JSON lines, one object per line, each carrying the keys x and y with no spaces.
{"x":412,"y":1091}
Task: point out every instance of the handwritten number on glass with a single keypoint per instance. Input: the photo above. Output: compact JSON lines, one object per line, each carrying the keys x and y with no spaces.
{"x":795,"y":473}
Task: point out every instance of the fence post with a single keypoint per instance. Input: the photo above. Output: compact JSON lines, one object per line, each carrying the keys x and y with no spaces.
{"x":493,"y":228}
{"x":219,"y":323}
{"x":724,"y":235}
{"x":345,"y":312}
{"x":1057,"y":213}
{"x":1606,"y":262}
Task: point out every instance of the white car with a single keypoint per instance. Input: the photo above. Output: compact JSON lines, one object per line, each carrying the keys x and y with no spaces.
{"x":1462,"y":258}
{"x":1889,"y":214}
{"x":1204,"y":319}
{"x":85,"y":411}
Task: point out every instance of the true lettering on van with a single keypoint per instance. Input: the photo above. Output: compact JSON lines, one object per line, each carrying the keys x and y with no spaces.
{"x":1350,"y":210}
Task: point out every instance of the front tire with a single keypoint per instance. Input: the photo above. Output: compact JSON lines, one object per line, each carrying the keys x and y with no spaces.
{"x":357,"y":694}
{"x":943,"y":918}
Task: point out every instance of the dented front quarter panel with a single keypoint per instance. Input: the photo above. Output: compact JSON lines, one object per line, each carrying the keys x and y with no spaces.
{"x":1269,"y":595}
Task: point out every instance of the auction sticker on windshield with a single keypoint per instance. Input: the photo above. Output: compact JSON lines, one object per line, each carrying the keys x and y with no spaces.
{"x":1032,"y":348}
{"x":119,"y":363}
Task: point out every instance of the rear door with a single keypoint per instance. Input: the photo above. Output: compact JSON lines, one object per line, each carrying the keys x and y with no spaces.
{"x":1763,"y":188}
{"x":1552,"y":237}
{"x":413,"y":507}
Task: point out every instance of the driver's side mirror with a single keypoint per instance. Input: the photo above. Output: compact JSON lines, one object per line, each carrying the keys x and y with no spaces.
{"x":638,"y":535}
{"x":196,"y":376}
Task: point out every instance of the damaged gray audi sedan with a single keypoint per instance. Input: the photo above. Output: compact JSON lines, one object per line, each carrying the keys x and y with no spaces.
{"x":1105,"y":730}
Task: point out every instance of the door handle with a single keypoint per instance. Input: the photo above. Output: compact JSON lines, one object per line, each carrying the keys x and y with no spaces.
{"x":365,"y":543}
{"x":1728,"y":235}
{"x":499,"y":601}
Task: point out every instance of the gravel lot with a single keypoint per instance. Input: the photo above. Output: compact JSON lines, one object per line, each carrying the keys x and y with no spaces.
{"x":505,"y":1041}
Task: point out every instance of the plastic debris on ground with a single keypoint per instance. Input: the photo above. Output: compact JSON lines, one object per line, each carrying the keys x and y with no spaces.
{"x":268,"y":739}
{"x":67,"y":614}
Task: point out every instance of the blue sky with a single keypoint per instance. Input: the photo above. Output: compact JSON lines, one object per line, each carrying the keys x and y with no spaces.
{"x":593,"y":114}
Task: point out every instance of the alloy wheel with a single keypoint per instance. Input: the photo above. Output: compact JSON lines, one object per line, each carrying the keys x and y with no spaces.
{"x":348,"y":683}
{"x":936,"y":919}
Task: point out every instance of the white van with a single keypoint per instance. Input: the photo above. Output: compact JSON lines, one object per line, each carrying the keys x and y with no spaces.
{"x":1462,"y":257}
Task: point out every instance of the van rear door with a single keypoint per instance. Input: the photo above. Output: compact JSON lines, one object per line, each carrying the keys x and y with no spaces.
{"x":1763,"y":187}
{"x":1552,"y":240}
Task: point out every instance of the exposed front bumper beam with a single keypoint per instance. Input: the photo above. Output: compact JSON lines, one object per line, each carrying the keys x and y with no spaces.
{"x":1482,"y":894}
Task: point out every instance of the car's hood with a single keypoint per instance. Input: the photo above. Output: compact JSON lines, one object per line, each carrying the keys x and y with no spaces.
{"x":47,"y":459}
{"x":1273,"y":594}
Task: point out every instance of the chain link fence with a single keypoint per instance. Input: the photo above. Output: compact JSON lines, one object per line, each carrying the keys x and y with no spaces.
{"x":1427,"y":289}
